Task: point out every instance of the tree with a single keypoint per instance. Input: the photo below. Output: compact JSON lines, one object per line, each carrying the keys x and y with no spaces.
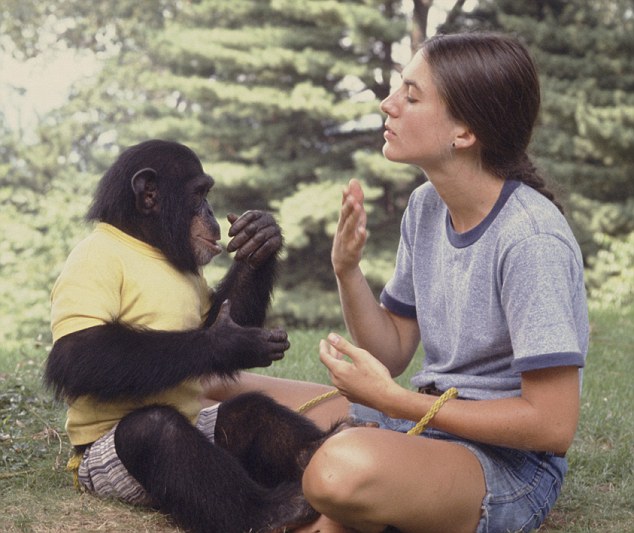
{"x":280,"y":99}
{"x":584,"y":51}
{"x":47,"y":174}
{"x":585,"y":143}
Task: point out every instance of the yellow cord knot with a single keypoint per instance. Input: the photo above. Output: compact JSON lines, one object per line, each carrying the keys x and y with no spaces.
{"x":73,"y":467}
{"x":444,"y":397}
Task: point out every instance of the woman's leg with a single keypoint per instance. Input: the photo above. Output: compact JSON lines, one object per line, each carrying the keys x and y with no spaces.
{"x":291,"y":393}
{"x":369,"y":479}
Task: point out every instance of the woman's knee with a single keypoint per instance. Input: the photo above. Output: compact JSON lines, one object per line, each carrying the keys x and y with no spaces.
{"x":341,"y":472}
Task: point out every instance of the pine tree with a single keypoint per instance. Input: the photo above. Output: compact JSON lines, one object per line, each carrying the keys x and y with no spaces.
{"x":585,"y":53}
{"x":584,"y":50}
{"x":280,"y":99}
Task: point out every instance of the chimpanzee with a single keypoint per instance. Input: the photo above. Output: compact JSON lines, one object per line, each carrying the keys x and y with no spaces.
{"x":135,"y":328}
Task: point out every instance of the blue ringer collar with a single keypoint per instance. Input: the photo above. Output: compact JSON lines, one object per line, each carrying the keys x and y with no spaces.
{"x":462,"y":240}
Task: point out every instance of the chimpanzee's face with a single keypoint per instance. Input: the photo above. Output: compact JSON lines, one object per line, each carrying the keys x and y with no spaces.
{"x":204,"y":229}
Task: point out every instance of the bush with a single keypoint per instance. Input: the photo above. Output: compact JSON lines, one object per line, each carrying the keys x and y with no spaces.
{"x":610,"y":276}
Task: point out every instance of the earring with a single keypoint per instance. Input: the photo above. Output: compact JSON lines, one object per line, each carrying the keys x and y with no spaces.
{"x":453,"y":145}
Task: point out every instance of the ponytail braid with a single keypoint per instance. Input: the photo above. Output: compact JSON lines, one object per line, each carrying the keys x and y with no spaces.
{"x":525,"y":171}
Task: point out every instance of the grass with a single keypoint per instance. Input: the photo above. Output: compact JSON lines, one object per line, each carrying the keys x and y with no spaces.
{"x":36,"y":494}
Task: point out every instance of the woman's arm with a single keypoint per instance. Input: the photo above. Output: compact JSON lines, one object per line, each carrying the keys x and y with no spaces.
{"x":543,"y":418}
{"x":392,"y":339}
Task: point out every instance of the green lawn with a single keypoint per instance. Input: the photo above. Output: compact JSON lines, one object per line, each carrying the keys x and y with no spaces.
{"x":36,"y":495}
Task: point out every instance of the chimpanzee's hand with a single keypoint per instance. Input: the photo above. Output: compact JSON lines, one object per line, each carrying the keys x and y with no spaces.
{"x":236,"y":347}
{"x":256,"y":237}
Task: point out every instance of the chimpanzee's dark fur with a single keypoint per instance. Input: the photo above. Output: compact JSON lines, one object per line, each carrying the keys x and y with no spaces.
{"x":250,"y":479}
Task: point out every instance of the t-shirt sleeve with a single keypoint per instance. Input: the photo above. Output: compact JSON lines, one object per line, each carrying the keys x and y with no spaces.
{"x":544,"y":302}
{"x":87,"y":293}
{"x":398,"y":294}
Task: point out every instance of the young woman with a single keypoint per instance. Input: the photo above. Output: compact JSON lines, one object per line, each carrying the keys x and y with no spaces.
{"x":489,"y":277}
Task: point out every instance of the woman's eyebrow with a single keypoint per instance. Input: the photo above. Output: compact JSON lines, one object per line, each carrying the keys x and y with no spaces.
{"x":411,"y":83}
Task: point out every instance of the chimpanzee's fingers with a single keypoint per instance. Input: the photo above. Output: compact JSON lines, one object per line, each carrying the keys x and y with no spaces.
{"x":278,"y":342}
{"x":223,"y":320}
{"x":244,"y":235}
{"x":248,"y":225}
{"x":279,"y":335}
{"x":246,"y":245}
{"x":265,"y":251}
{"x":239,"y":223}
{"x":260,"y":248}
{"x":276,"y":356}
{"x":225,"y":311}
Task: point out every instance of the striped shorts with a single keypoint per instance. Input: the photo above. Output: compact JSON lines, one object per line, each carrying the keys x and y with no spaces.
{"x":102,"y":472}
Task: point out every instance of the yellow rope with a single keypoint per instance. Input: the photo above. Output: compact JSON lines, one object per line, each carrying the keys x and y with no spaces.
{"x":312,"y":403}
{"x":420,"y":427}
{"x":73,"y":467}
{"x":416,"y":430}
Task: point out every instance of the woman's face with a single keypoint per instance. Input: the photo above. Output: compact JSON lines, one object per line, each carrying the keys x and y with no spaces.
{"x":419,"y":129}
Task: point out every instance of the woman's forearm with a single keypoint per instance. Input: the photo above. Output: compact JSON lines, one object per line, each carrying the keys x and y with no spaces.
{"x":517,"y":422}
{"x":372,"y":327}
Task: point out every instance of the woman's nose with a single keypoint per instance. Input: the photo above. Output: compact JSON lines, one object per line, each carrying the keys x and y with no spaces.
{"x":387,"y":105}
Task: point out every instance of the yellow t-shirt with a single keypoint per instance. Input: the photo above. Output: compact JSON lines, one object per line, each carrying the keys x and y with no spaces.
{"x":112,"y":276}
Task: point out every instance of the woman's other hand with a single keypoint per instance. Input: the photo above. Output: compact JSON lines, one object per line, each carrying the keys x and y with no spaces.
{"x":361,"y":379}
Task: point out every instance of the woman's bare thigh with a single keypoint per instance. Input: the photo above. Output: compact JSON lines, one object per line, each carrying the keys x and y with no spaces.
{"x":374,"y":478}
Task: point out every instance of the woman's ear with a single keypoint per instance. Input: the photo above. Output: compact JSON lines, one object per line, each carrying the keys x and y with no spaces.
{"x":145,"y":187}
{"x":464,"y":138}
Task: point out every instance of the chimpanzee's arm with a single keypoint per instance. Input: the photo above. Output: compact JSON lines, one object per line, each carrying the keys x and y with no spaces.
{"x":257,"y":240}
{"x":114,"y":361}
{"x":249,"y":291}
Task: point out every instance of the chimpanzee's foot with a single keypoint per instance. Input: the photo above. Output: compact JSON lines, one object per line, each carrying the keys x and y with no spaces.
{"x":304,"y":456}
{"x":293,"y":511}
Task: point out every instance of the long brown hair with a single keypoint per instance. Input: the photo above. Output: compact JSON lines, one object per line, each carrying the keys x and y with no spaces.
{"x":489,"y":81}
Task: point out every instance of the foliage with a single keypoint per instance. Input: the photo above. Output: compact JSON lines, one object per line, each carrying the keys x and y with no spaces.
{"x":25,"y":433}
{"x":585,"y":139}
{"x":37,"y":238}
{"x":30,"y":27}
{"x":591,"y":219}
{"x":611,"y":276}
{"x":280,"y":98}
{"x":607,"y":231}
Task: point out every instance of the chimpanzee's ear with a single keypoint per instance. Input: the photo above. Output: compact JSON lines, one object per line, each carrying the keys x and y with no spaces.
{"x":145,"y":187}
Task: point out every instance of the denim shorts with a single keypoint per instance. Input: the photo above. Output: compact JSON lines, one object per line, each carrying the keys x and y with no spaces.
{"x":521,"y":486}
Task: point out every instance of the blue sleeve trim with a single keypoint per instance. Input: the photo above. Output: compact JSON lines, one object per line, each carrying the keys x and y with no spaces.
{"x":396,"y":307}
{"x":550,"y":360}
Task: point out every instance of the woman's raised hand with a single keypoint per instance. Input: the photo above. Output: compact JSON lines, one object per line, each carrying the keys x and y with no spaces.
{"x":351,"y":234}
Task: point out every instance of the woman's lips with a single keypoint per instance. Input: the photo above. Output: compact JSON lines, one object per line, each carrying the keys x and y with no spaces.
{"x":388,"y":134}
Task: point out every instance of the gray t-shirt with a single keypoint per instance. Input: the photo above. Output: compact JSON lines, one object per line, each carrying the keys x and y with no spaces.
{"x":505,"y":297}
